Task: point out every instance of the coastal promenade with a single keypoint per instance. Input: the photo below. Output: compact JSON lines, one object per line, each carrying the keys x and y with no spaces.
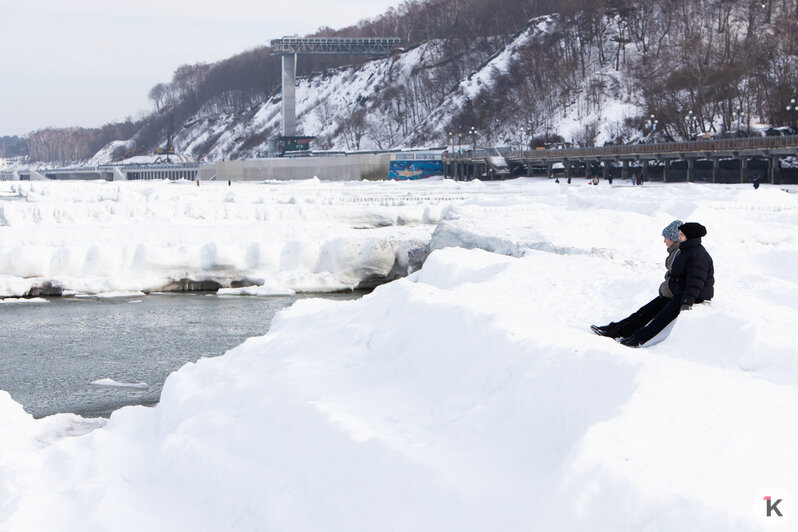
{"x":724,"y":160}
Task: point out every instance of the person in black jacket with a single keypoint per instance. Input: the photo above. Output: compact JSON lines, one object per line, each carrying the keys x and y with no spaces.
{"x":692,"y":280}
{"x":646,"y":313}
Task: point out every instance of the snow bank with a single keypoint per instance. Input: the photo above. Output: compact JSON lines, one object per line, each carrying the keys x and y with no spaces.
{"x":470,"y":395}
{"x":130,"y":237}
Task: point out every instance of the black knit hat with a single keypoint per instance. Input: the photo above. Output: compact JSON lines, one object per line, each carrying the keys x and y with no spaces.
{"x":693,"y":230}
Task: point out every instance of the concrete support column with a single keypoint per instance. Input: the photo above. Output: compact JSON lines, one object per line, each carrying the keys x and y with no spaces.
{"x":690,"y":170}
{"x":743,"y":169}
{"x":605,"y":170}
{"x":715,"y":169}
{"x":289,"y":96}
{"x":625,"y":171}
{"x":773,"y":170}
{"x":549,"y":172}
{"x":567,"y":165}
{"x":666,"y":171}
{"x":645,"y":170}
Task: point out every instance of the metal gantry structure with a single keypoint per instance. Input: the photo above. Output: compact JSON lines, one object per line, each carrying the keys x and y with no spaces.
{"x":291,"y":47}
{"x":326,"y":45}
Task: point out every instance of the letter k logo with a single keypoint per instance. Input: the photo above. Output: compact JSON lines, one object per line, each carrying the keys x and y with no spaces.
{"x":772,"y":506}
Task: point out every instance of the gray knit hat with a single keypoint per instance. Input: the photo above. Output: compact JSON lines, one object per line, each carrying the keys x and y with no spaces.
{"x":672,"y":231}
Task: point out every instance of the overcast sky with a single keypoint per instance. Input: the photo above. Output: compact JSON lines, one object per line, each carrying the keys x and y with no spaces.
{"x":89,"y":62}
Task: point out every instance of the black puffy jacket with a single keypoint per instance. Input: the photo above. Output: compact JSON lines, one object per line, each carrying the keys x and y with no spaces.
{"x":692,"y":273}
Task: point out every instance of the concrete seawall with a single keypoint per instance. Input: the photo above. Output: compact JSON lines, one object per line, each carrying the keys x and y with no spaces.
{"x":339,"y":167}
{"x":333,"y":168}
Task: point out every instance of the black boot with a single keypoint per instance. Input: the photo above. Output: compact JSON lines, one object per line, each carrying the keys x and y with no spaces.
{"x":630,"y":341}
{"x":610,"y":331}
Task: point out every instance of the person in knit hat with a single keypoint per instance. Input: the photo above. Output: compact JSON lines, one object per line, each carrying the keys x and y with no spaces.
{"x":691,"y":280}
{"x":646,"y":313}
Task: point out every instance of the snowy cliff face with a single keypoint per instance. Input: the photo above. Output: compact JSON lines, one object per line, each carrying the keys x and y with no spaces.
{"x":352,"y":108}
{"x":588,"y":77}
{"x":415,"y":98}
{"x":423,"y":97}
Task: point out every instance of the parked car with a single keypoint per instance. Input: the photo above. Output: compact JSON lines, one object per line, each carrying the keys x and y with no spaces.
{"x":780,"y":131}
{"x":732,"y":134}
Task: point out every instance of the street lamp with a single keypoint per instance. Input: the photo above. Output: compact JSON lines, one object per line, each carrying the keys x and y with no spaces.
{"x":459,"y":140}
{"x":791,"y":109}
{"x":473,"y":133}
{"x":689,"y":120}
{"x":652,"y":123}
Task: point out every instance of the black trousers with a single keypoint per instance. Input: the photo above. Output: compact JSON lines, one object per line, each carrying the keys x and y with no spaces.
{"x":650,"y":319}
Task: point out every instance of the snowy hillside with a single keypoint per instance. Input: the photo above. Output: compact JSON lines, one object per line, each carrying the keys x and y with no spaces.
{"x":325,"y":105}
{"x":495,"y":73}
{"x":470,"y":395}
{"x":371,"y":106}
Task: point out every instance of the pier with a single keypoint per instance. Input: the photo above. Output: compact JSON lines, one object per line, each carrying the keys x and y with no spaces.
{"x":737,"y":160}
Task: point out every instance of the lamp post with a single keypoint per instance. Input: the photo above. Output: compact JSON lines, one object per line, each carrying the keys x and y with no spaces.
{"x":473,"y":133}
{"x":689,"y":120}
{"x":791,"y":109}
{"x":652,"y":124}
{"x":459,"y":140}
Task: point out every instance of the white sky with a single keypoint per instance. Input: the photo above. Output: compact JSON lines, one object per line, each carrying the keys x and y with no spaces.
{"x":89,"y":62}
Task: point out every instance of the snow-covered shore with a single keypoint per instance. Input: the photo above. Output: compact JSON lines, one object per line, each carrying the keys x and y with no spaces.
{"x":95,"y":237}
{"x":471,"y":394}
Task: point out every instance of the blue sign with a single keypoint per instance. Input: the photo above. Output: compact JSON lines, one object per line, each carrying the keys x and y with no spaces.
{"x":414,"y":169}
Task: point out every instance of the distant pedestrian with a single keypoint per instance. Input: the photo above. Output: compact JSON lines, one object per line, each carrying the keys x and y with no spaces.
{"x":595,"y":180}
{"x":229,"y":183}
{"x":639,"y":179}
{"x":756,"y":182}
{"x":609,"y":179}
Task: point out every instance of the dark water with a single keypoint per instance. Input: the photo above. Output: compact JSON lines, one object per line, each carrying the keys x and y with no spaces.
{"x":50,"y":353}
